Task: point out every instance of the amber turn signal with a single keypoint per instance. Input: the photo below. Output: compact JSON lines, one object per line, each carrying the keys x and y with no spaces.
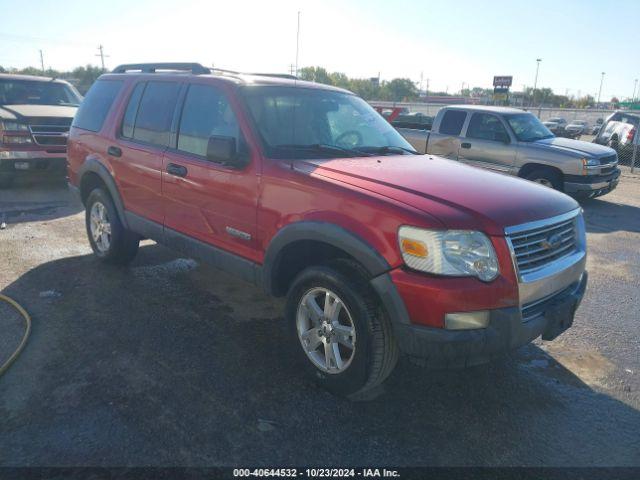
{"x":414,"y":247}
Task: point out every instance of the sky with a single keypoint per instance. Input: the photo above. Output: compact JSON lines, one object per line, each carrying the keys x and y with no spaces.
{"x":446,"y":42}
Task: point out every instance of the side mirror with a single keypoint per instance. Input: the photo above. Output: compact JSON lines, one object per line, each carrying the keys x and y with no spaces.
{"x":501,"y":137}
{"x":222,"y":150}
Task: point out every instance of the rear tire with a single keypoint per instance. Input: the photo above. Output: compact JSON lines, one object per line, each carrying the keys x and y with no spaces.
{"x":361,"y":323}
{"x":110,"y":240}
{"x":545,"y":176}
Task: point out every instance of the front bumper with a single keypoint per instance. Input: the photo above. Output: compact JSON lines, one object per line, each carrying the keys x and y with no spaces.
{"x":507,"y":330}
{"x":52,"y":163}
{"x":591,"y":185}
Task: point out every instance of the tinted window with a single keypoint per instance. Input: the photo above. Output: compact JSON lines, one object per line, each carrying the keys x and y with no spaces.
{"x":95,"y":107}
{"x":486,"y":127}
{"x":37,"y":92}
{"x":206,"y":112}
{"x":452,"y":122}
{"x":153,"y":122}
{"x":132,"y":109}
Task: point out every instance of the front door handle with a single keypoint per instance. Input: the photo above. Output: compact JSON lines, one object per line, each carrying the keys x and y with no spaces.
{"x":114,"y":151}
{"x":177,"y":170}
{"x":465,"y":145}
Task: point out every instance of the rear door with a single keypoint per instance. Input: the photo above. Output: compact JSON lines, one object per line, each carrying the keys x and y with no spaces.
{"x":487,"y":144}
{"x":205,"y":200}
{"x":143,"y":137}
{"x":445,"y":138}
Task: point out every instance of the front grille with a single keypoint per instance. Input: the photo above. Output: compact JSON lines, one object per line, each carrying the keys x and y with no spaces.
{"x":539,"y":246}
{"x":609,"y":159}
{"x":537,"y":308}
{"x":50,"y":131}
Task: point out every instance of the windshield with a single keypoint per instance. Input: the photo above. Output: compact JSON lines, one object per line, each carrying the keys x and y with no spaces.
{"x":527,"y":128}
{"x":298,"y":122}
{"x":30,"y":92}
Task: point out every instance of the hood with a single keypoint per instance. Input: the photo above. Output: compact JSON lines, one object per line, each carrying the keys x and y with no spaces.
{"x":576,"y":147}
{"x":28,"y":111}
{"x":460,"y":196}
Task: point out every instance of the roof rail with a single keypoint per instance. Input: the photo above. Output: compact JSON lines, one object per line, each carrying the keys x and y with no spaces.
{"x":195,"y":68}
{"x":276,"y":75}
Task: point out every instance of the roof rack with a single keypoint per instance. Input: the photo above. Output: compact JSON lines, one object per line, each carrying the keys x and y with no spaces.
{"x":195,"y":68}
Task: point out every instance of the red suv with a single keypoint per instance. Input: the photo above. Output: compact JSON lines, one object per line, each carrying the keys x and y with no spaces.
{"x":305,"y":190}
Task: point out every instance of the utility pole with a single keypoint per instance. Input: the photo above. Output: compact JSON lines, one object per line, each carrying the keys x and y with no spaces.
{"x":461,"y":89}
{"x":297,"y":42}
{"x":101,"y":55}
{"x":292,"y":69}
{"x":42,"y":63}
{"x":422,"y":74}
{"x":635,"y":85}
{"x":535,"y":82}
{"x":600,"y":91}
{"x":426,"y":93}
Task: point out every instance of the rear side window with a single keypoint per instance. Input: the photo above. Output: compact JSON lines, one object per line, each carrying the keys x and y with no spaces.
{"x":155,"y":113}
{"x":95,"y":106}
{"x":129,"y":119}
{"x":206,"y":113}
{"x":452,"y":122}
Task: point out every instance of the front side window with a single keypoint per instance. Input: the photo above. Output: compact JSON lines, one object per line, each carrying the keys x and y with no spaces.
{"x":206,"y":113}
{"x":96,"y":105}
{"x":300,"y":122}
{"x":155,"y":113}
{"x":452,"y":122}
{"x":486,"y":127}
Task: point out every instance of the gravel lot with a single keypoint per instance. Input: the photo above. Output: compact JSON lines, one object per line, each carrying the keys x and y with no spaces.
{"x":171,"y":363}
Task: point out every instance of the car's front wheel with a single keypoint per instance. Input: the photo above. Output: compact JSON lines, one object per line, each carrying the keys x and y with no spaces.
{"x":345,"y":340}
{"x":109,"y":239}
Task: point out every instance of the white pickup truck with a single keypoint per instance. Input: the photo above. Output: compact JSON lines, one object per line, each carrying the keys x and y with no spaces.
{"x":512,"y":141}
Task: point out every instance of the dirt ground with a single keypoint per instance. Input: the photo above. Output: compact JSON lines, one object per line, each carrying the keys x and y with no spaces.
{"x":171,"y":363}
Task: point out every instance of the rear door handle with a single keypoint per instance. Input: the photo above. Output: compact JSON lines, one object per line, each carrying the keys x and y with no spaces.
{"x":465,"y":145}
{"x":114,"y":151}
{"x":177,"y":170}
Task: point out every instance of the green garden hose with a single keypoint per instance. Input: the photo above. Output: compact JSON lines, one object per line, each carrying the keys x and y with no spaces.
{"x":27,"y":320}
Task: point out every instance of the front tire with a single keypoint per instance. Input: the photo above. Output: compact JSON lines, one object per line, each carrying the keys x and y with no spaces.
{"x":545,"y":176}
{"x":110,"y":240}
{"x":343,"y":337}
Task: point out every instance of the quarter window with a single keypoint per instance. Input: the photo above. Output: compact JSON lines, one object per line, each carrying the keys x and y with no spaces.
{"x":452,"y":122}
{"x":486,"y":127}
{"x":155,"y":113}
{"x":206,"y":113}
{"x":95,"y":107}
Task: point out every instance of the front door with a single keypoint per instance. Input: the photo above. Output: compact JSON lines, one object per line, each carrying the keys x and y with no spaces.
{"x":487,"y":144}
{"x":204,"y":200}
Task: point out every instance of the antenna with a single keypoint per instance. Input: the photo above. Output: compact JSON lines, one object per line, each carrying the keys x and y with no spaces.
{"x":297,"y":43}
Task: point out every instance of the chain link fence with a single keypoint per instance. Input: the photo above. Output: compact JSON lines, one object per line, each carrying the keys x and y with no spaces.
{"x":621,"y":132}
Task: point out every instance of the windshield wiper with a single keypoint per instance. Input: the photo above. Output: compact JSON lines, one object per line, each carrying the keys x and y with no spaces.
{"x":388,"y":149}
{"x":324,"y":148}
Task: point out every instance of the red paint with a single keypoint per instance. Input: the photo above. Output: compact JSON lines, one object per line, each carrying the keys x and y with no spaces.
{"x":370,"y":197}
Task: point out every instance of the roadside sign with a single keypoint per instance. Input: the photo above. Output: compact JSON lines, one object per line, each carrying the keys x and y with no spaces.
{"x":502,"y":81}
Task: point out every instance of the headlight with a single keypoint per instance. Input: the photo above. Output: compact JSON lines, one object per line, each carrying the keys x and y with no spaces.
{"x":12,"y":126}
{"x":448,"y":252}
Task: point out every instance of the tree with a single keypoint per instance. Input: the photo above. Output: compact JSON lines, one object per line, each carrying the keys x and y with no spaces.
{"x":399,"y":89}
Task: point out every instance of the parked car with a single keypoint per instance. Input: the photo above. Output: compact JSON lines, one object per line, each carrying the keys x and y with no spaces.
{"x":553,"y":127}
{"x":508,"y":140}
{"x":35,"y":115}
{"x":416,"y":120}
{"x":620,"y":132}
{"x":577,"y":128}
{"x":305,"y":190}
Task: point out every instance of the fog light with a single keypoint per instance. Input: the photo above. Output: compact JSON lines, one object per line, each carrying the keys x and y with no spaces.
{"x":466,"y":320}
